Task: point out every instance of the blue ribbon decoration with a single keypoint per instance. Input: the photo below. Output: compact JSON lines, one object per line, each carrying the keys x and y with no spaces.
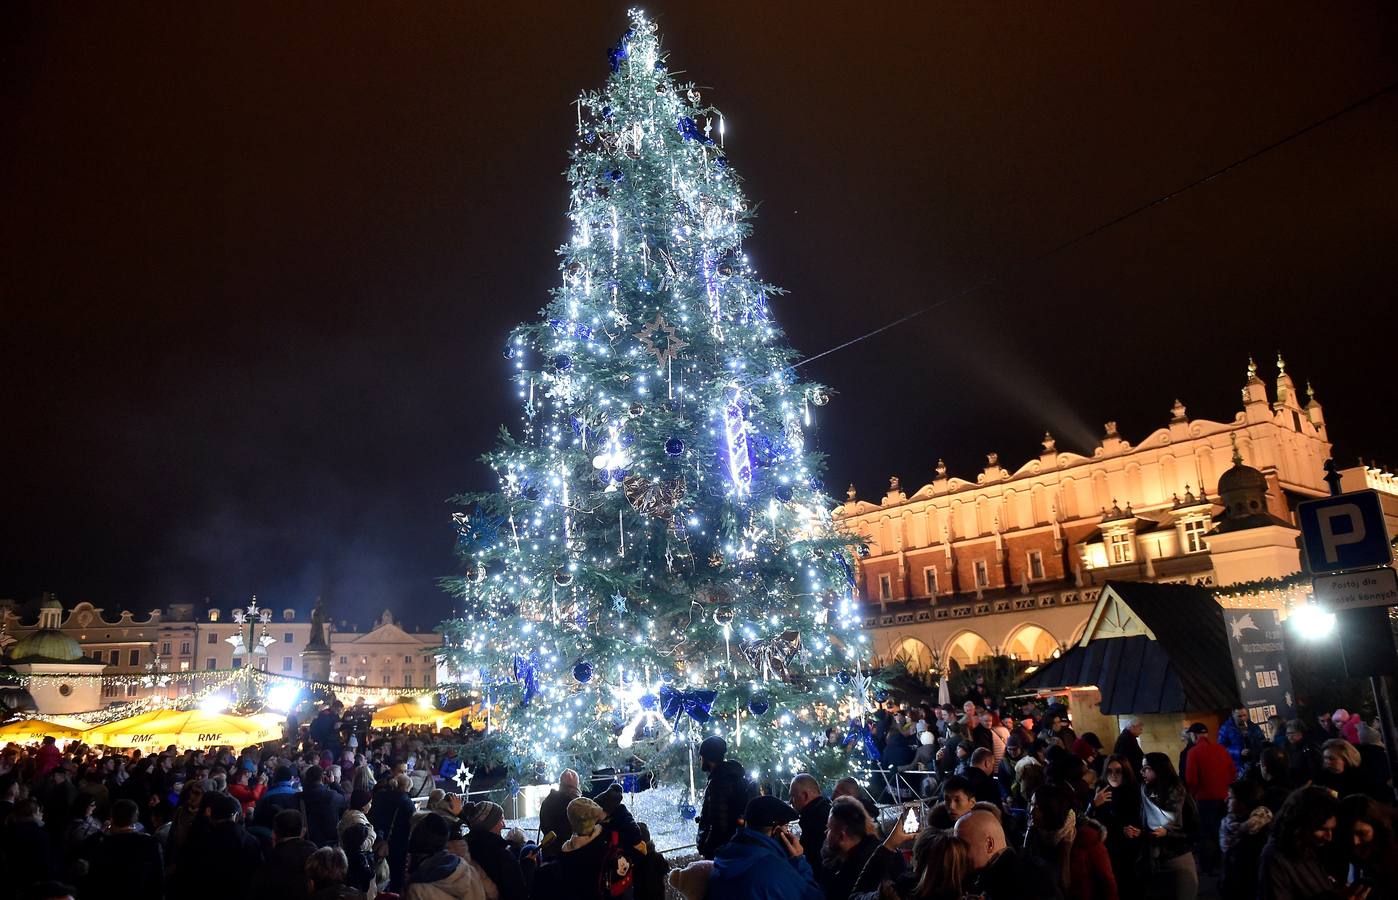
{"x":859,"y":731}
{"x":527,"y":674}
{"x":695,"y":704}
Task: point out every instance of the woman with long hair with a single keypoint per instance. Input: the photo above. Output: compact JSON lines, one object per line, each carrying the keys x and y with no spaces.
{"x":1117,"y":805}
{"x":1366,"y":837}
{"x":1070,"y":846}
{"x":941,"y":868}
{"x":1169,"y":825}
{"x":1292,"y":867}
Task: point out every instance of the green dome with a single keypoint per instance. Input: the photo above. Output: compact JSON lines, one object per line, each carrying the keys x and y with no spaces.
{"x":46,"y":644}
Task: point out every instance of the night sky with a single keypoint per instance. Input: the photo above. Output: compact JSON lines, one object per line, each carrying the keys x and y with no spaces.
{"x":257,"y":263}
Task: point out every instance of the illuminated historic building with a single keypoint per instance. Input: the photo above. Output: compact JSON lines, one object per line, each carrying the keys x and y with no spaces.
{"x":1013,"y":562}
{"x":140,"y":649}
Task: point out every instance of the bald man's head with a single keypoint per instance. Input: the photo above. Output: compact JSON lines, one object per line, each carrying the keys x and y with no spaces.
{"x":804,"y":789}
{"x":568,"y":779}
{"x":983,"y":835}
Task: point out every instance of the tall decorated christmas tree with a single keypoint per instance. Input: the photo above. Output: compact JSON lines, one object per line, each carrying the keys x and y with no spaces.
{"x":658,"y":563}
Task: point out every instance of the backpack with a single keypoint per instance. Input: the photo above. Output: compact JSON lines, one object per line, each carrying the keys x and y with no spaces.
{"x":617,"y":870}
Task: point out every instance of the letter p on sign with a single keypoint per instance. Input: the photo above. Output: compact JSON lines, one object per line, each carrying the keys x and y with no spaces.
{"x":1346,"y":531}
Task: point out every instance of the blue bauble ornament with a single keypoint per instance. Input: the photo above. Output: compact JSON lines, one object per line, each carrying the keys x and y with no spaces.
{"x":616,"y":175}
{"x":660,"y":65}
{"x":583,"y":672}
{"x":590,"y":138}
{"x":816,"y":484}
{"x":784,"y":493}
{"x":627,"y":439}
{"x":721,"y":162}
{"x":606,"y":112}
{"x":563,"y":362}
{"x":643,"y":285}
{"x":668,"y":678}
{"x":510,"y":351}
{"x":674,"y":447}
{"x":843,"y":677}
{"x":649,"y":701}
{"x":880,"y":695}
{"x":758,"y":706}
{"x":687,"y":811}
{"x":530,"y":493}
{"x":863,"y":551}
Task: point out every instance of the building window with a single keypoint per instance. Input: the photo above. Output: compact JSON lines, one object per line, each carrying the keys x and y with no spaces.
{"x":343,"y":660}
{"x":184,"y":648}
{"x":929,"y":577}
{"x":184,"y":665}
{"x":428,"y":678}
{"x":408,"y":660}
{"x":211,"y":663}
{"x":982,"y":574}
{"x":1119,"y":547}
{"x":164,"y":648}
{"x":885,"y":587}
{"x":287,"y":638}
{"x":135,"y":657}
{"x":408,"y":680}
{"x":1036,"y":564}
{"x":427,"y":659}
{"x":286,"y":664}
{"x":213,"y":638}
{"x":97,"y":655}
{"x":237,"y":662}
{"x":387,"y":680}
{"x":1194,"y":535}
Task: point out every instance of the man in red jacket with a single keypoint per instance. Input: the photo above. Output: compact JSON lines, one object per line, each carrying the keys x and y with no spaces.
{"x":1208,"y":772}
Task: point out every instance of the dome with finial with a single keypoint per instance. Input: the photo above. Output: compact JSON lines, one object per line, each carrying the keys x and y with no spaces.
{"x":1242,"y":489}
{"x":46,"y":645}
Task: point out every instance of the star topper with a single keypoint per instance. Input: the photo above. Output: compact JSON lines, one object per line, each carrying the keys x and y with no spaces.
{"x":463,"y":778}
{"x":661,"y":341}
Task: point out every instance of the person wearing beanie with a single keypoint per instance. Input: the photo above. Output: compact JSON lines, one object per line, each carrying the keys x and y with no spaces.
{"x":489,"y":849}
{"x":434,"y":872}
{"x":764,"y":860}
{"x":727,"y":793}
{"x":577,"y":872}
{"x":357,"y":814}
{"x":619,"y":819}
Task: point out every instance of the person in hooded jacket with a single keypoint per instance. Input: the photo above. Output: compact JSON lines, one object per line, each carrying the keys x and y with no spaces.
{"x":764,"y":861}
{"x":725,"y":796}
{"x":511,"y":874}
{"x":1070,"y":846}
{"x":585,"y":863}
{"x":434,"y":872}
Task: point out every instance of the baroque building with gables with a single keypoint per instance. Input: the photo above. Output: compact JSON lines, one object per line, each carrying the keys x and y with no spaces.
{"x":1013,"y":562}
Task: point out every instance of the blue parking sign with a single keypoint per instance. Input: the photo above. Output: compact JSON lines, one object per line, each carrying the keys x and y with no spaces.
{"x":1346,"y":531}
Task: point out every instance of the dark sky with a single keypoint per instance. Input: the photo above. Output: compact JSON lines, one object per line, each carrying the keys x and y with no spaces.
{"x":257,"y":263}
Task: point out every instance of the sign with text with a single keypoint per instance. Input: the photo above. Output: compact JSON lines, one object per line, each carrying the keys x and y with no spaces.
{"x":1345,"y":531}
{"x":1259,"y":662}
{"x":1350,"y":590}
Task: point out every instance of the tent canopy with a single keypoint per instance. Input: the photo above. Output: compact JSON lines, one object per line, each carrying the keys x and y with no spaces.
{"x":188,"y":728}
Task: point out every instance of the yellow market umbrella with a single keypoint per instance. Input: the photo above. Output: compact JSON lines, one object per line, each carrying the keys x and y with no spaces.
{"x":474,"y":715}
{"x":37,"y":729}
{"x":408,"y":714}
{"x":187,"y":728}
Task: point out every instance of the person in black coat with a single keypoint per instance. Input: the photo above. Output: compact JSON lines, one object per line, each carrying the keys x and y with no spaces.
{"x":725,"y":796}
{"x":492,"y":852}
{"x":392,"y":818}
{"x":1128,"y":743}
{"x":1116,"y":804}
{"x":850,"y":842}
{"x":282,"y":876}
{"x":125,"y":864}
{"x":553,"y":813}
{"x":814,"y":810}
{"x":323,"y":806}
{"x":27,"y":853}
{"x":219,"y":861}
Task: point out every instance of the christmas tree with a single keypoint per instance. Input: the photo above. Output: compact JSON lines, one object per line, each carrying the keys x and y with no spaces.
{"x":658,"y":563}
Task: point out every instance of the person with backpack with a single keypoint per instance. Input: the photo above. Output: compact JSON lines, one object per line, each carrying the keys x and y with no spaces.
{"x":592,"y":864}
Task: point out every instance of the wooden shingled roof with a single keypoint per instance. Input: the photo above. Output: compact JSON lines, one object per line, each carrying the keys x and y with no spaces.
{"x":1181,"y":664}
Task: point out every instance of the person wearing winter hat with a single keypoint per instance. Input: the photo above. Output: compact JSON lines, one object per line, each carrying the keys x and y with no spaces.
{"x":725,"y":796}
{"x":576,"y":874}
{"x":619,"y":819}
{"x":357,"y":813}
{"x":490,"y":850}
{"x":764,"y":860}
{"x":434,"y":872}
{"x":553,"y":813}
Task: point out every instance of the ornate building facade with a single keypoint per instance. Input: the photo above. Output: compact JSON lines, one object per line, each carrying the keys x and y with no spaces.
{"x":1013,"y":561}
{"x":177,"y":640}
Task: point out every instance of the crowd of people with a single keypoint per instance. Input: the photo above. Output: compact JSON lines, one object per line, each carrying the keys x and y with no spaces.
{"x":967,"y":801}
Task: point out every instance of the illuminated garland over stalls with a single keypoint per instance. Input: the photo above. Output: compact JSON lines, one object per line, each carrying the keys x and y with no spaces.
{"x":658,"y":563}
{"x":210,"y":680}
